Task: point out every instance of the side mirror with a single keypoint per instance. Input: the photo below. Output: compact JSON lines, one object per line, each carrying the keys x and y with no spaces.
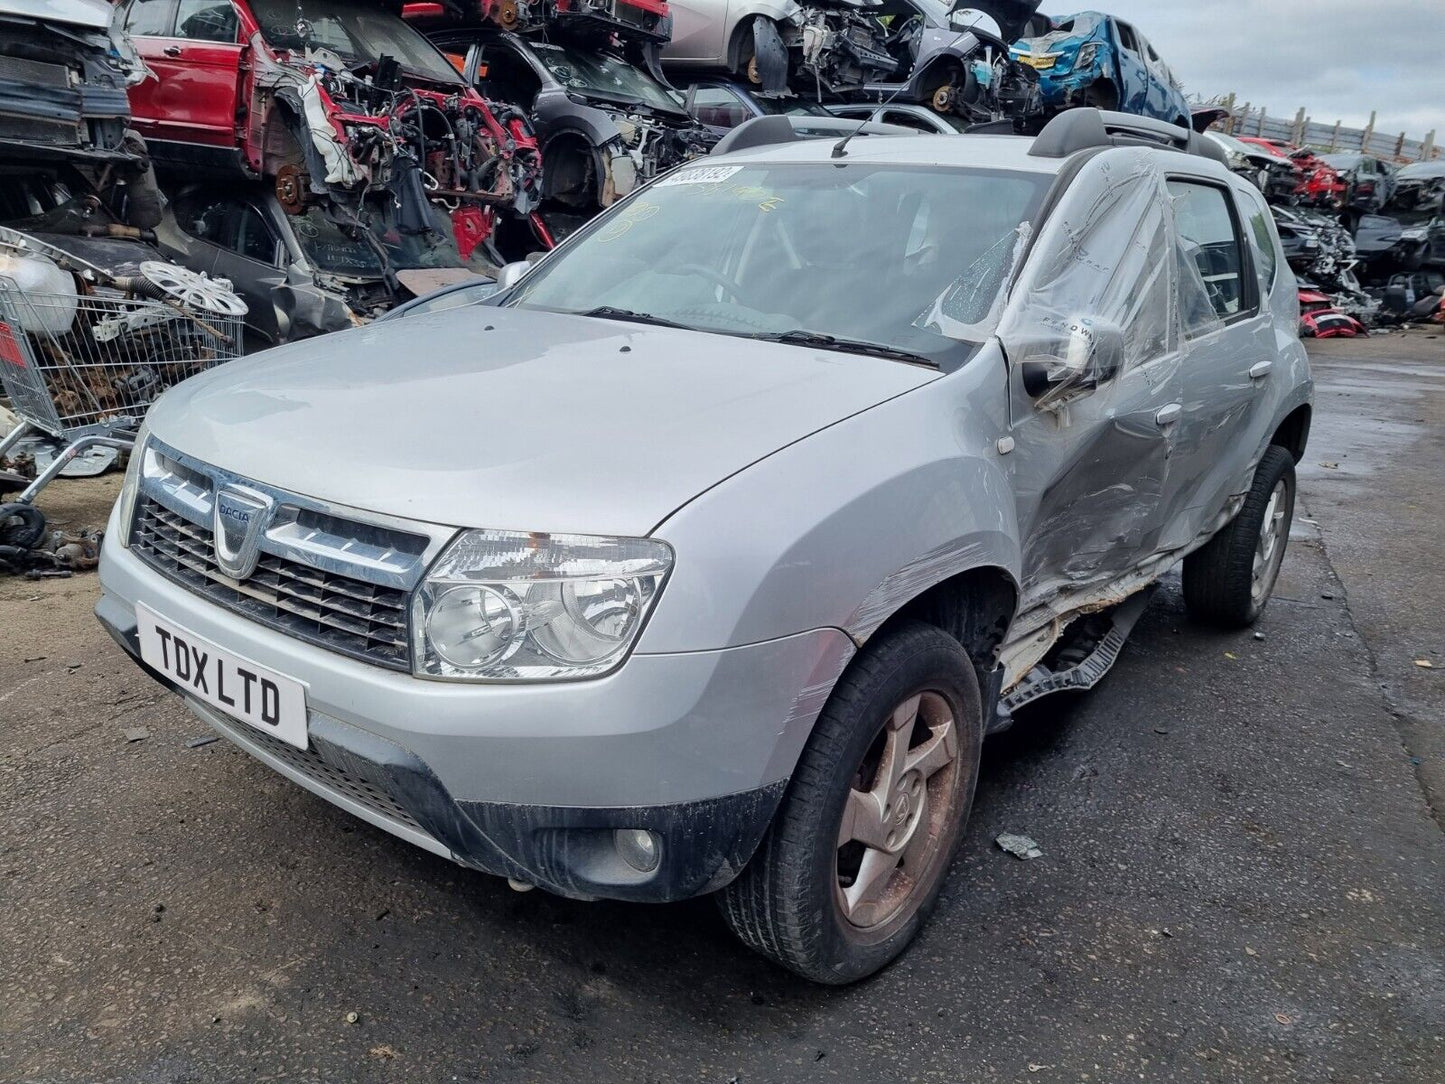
{"x":512,"y":273}
{"x":1090,"y":355}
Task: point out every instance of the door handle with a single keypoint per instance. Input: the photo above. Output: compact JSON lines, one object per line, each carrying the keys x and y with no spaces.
{"x":1260,"y":369}
{"x":172,"y":50}
{"x":1168,"y":415}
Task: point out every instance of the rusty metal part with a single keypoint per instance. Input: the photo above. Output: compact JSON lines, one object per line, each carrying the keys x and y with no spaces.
{"x":292,"y":188}
{"x":506,"y":14}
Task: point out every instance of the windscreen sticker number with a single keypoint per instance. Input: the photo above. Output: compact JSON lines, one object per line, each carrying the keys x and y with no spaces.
{"x":699,"y":175}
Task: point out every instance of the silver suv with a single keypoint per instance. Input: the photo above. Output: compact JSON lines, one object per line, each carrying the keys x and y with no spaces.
{"x":703,"y":558}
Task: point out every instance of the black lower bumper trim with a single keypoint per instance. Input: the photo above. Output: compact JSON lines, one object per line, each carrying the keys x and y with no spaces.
{"x":567,"y":850}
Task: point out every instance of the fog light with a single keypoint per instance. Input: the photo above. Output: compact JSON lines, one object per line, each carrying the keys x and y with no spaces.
{"x":639,"y":848}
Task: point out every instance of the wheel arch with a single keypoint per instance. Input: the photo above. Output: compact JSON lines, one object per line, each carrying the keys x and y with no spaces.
{"x":975,"y":607}
{"x":1293,"y":433}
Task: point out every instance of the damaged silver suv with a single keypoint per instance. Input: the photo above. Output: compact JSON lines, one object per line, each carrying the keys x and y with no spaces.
{"x":703,"y":557}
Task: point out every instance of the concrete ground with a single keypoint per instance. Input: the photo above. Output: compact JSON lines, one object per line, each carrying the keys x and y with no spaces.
{"x":1242,"y":879}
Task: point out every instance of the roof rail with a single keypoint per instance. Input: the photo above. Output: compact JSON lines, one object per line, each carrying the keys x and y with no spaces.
{"x":1084,"y":128}
{"x":765,"y":131}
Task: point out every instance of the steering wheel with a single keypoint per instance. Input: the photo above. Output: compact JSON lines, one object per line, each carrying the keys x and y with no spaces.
{"x":903,"y":31}
{"x":718,"y":277}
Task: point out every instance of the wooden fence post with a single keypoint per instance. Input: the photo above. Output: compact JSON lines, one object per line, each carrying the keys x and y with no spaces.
{"x":1299,"y":128}
{"x":1335,"y":138}
{"x":1368,"y":134}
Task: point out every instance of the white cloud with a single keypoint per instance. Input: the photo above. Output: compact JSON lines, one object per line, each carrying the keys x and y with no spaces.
{"x":1338,"y":59}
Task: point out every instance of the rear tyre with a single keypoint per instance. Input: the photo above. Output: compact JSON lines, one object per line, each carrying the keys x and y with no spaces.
{"x":853,"y":862}
{"x":1228,"y":581}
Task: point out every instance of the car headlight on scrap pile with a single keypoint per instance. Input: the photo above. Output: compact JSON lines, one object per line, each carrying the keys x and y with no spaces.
{"x":508,"y":606}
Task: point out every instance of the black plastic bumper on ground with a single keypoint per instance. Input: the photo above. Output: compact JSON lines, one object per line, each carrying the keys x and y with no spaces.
{"x":564,"y":849}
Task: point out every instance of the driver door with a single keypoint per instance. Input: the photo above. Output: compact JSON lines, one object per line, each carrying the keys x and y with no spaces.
{"x":1092,"y":479}
{"x":194,"y":48}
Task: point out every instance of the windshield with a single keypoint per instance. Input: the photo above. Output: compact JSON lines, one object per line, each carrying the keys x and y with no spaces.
{"x":355,"y":32}
{"x":1232,"y":145}
{"x":606,"y":76}
{"x":1075,"y":27}
{"x":888,"y":255}
{"x":329,"y":248}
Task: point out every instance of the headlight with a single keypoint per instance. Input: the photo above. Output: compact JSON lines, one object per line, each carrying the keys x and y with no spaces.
{"x":130,"y":485}
{"x":504,"y":606}
{"x":1087,"y":52}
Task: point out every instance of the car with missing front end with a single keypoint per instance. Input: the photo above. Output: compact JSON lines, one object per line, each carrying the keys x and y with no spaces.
{"x":1094,"y":59}
{"x":697,"y":563}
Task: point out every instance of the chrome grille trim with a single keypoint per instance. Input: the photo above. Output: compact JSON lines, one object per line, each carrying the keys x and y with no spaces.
{"x":362,"y":620}
{"x":368,"y":546}
{"x":328,"y":575}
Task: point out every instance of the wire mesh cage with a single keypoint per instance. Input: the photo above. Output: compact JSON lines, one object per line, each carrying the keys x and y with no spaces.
{"x":79,"y":364}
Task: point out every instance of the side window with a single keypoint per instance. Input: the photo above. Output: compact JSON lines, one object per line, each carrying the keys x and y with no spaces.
{"x":1210,"y":239}
{"x":1264,"y":243}
{"x":718,"y":107}
{"x":507,"y":75}
{"x":206,"y":20}
{"x":1127,"y":38}
{"x":149,"y":18}
{"x":231,"y":225}
{"x":250,"y":236}
{"x":206,"y":221}
{"x":907,"y":120}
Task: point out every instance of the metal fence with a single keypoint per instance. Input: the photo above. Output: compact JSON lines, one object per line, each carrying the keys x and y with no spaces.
{"x":1247,"y":119}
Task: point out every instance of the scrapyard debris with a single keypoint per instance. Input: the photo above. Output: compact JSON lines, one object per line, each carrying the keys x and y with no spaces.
{"x":136,"y":733}
{"x":204,"y":739}
{"x":83,"y":353}
{"x":1019,"y":846}
{"x":64,"y":68}
{"x":346,"y":107}
{"x":51,"y":554}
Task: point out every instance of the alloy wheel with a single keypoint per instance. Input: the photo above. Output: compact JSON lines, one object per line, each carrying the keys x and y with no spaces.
{"x":898,"y":812}
{"x":1269,"y":551}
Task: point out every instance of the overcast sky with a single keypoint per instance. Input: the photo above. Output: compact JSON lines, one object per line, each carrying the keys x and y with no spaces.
{"x":1338,"y":59}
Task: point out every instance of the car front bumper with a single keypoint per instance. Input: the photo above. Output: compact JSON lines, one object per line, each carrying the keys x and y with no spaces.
{"x":529,"y":781}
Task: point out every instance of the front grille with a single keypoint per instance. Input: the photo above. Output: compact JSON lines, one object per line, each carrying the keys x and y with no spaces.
{"x":372,"y":794}
{"x":347,"y":615}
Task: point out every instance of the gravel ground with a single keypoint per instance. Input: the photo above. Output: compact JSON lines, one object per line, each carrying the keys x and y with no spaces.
{"x":1242,"y":878}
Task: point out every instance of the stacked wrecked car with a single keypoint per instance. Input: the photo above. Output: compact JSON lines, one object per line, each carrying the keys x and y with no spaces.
{"x":588,"y":78}
{"x":337,"y":104}
{"x":951,"y":58}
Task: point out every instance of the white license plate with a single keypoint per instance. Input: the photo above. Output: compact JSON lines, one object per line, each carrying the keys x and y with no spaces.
{"x":273,"y":703}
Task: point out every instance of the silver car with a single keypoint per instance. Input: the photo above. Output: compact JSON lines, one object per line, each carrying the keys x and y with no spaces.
{"x":951,"y":55}
{"x":703,"y":557}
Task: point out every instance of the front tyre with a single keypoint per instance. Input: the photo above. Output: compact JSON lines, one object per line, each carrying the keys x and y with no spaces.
{"x":1228,"y":580}
{"x":858,"y":851}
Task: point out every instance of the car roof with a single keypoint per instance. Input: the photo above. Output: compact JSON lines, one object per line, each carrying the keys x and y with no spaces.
{"x":1002,"y":152}
{"x":964,"y":150}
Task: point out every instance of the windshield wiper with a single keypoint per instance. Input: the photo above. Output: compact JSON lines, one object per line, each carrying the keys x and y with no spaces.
{"x":607,"y":312}
{"x":799,"y":337}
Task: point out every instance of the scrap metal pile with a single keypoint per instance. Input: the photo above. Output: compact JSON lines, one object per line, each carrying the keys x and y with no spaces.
{"x":1366,"y":238}
{"x":587,"y":74}
{"x":956,"y":60}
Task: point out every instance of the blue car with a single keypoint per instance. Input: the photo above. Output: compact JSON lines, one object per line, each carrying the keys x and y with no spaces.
{"x":1097,"y":60}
